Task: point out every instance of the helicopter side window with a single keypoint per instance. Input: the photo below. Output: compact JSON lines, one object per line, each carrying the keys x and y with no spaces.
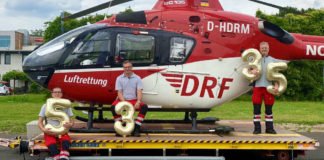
{"x":136,"y":48}
{"x":92,"y":49}
{"x":180,"y":49}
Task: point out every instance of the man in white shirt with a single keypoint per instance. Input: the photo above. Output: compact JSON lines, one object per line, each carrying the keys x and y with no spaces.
{"x":129,"y":87}
{"x":260,"y":93}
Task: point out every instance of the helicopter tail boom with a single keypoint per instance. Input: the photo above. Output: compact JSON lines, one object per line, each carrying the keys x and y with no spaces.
{"x":310,"y":47}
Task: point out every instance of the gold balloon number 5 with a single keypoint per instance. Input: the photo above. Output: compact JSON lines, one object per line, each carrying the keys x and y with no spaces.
{"x":54,"y":111}
{"x":274,"y":75}
{"x":126,"y":125}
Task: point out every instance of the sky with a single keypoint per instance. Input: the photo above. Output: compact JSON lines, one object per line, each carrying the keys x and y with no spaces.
{"x":32,"y":14}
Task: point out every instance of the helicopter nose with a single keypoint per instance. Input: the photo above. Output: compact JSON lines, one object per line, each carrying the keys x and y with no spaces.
{"x":39,"y":65}
{"x":37,"y":73}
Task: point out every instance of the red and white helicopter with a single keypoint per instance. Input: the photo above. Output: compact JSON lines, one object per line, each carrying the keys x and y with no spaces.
{"x":187,"y":52}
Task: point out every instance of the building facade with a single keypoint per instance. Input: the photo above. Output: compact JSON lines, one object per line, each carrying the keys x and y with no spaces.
{"x":14,"y":47}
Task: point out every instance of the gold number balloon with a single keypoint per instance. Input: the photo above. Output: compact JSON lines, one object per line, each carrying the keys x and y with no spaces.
{"x":54,"y":111}
{"x":126,"y":110}
{"x":274,"y":75}
{"x":253,"y":57}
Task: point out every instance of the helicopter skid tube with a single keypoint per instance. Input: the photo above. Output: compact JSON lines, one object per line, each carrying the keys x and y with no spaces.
{"x":216,"y":130}
{"x":209,"y":120}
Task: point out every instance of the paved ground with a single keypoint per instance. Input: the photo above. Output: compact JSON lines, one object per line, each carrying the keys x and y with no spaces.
{"x":318,"y":154}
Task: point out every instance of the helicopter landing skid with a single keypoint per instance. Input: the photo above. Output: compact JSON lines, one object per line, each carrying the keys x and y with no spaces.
{"x":190,"y":117}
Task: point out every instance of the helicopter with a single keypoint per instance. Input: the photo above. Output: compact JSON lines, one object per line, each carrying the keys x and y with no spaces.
{"x":187,"y":52}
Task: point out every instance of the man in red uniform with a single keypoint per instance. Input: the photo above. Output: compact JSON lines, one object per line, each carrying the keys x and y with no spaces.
{"x":129,"y":87}
{"x":260,"y":93}
{"x":50,"y":138}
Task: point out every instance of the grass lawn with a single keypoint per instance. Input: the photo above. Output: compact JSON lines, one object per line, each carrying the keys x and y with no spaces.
{"x":16,"y":111}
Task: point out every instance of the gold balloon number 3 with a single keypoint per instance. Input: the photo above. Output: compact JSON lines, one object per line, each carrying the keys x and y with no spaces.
{"x":126,"y":125}
{"x":54,"y":111}
{"x":253,"y":57}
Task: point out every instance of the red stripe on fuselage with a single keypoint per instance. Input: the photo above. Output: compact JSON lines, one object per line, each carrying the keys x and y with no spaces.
{"x":174,"y":80}
{"x":176,"y":85}
{"x":172,"y":75}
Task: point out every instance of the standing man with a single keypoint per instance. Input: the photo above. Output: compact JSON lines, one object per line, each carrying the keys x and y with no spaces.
{"x":260,"y":93}
{"x":129,"y":87}
{"x":51,"y":138}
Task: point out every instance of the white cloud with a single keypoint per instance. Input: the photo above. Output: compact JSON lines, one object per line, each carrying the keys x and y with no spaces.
{"x":31,"y":14}
{"x":39,"y":8}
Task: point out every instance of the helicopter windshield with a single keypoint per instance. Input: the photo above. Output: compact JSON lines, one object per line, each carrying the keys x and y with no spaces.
{"x":51,"y":52}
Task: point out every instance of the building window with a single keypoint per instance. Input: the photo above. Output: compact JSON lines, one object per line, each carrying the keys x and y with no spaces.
{"x":7,"y":58}
{"x":5,"y":41}
{"x":180,"y":49}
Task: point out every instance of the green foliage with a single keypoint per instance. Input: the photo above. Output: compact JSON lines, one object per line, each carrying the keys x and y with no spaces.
{"x":21,"y":109}
{"x":37,"y":32}
{"x":54,"y":27}
{"x":15,"y":75}
{"x":305,"y":78}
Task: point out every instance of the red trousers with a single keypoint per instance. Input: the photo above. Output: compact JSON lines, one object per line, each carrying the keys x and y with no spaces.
{"x":133,"y":102}
{"x":49,"y":139}
{"x":260,"y":93}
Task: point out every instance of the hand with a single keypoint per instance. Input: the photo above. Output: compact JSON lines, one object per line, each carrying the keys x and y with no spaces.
{"x":255,"y":71}
{"x":276,"y":89}
{"x":67,"y":125}
{"x":137,"y":105}
{"x":48,"y":131}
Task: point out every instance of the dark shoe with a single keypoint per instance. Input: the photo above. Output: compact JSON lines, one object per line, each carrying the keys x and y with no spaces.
{"x":257,"y":131}
{"x":137,"y":131}
{"x":271,"y":131}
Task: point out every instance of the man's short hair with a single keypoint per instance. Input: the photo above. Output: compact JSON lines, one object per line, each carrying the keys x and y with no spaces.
{"x":127,"y":61}
{"x":264,"y":43}
{"x":57,"y":88}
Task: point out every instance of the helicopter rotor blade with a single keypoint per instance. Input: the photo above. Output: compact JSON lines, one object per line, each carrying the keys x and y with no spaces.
{"x":268,"y":4}
{"x":110,"y":3}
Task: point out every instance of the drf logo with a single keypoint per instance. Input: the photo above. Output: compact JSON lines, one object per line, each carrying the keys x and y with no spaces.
{"x":315,"y":50}
{"x":191,"y":86}
{"x":229,"y":27}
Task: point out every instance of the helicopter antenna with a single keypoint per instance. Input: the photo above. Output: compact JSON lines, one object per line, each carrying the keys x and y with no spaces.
{"x":108,"y":10}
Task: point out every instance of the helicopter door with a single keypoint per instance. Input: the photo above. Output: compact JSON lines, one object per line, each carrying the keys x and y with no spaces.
{"x":89,"y":61}
{"x":180,"y":49}
{"x":140,"y":49}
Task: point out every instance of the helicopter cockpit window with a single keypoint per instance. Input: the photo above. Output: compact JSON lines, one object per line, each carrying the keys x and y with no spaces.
{"x":92,"y":49}
{"x":180,"y":49}
{"x":136,"y":48}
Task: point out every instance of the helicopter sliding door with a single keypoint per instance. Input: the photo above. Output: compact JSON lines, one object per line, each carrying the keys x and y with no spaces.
{"x":139,"y":47}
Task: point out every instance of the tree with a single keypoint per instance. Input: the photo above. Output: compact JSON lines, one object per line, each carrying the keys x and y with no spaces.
{"x":54,"y":27}
{"x":305,"y":78}
{"x":37,"y":32}
{"x":16,"y":75}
